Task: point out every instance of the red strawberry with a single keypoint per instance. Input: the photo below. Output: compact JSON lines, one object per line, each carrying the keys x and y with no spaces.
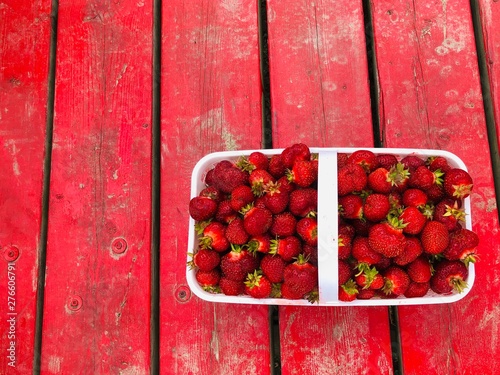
{"x":291,"y":154}
{"x":288,"y":292}
{"x":235,"y":264}
{"x":286,"y":185}
{"x":227,"y":176}
{"x":417,"y":289}
{"x":208,"y":279}
{"x":257,"y":220}
{"x":438,"y":162}
{"x":231,"y":287}
{"x":414,"y":198}
{"x":434,"y":237}
{"x":449,"y":276}
{"x":259,"y":179}
{"x":363,"y":253}
{"x":310,"y":252}
{"x":202,"y":208}
{"x":214,"y":237}
{"x":351,"y":206}
{"x":435,"y":193}
{"x":376,"y":207}
{"x":225,"y":213}
{"x":369,"y":278}
{"x":344,"y":246}
{"x":448,"y":212}
{"x":283,"y":225}
{"x":276,"y":167}
{"x":362,"y":226}
{"x":419,"y":270}
{"x":260,"y":243}
{"x":303,"y":173}
{"x":211,"y":192}
{"x":387,"y":238}
{"x":235,"y":232}
{"x":303,"y":202}
{"x":396,"y":281}
{"x":463,"y":246}
{"x":423,"y":178}
{"x":288,"y":247}
{"x":342,"y":159}
{"x":366,"y":293}
{"x":412,"y":162}
{"x":457,"y":183}
{"x":413,"y":250}
{"x":301,"y":276}
{"x":351,"y":178}
{"x":379,"y":181}
{"x":205,"y":259}
{"x":395,"y":199}
{"x":399,"y":175}
{"x":307,"y":229}
{"x":276,"y":198}
{"x":345,"y":272}
{"x":348,"y":291}
{"x":256,"y":160}
{"x":257,"y":285}
{"x":365,"y":158}
{"x":273,"y":266}
{"x":413,"y":219}
{"x":387,"y":161}
{"x":241,"y":196}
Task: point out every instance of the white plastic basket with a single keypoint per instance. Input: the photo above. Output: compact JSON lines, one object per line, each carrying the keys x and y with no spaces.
{"x":327,"y":230}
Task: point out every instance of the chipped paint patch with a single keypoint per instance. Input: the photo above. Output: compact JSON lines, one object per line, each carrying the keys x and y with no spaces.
{"x":229,"y":141}
{"x":54,"y":364}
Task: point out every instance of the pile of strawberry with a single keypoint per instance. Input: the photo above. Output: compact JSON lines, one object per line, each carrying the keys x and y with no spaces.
{"x":257,"y":227}
{"x":401,"y":226}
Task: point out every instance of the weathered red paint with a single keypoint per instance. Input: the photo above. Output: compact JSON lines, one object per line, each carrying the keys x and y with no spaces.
{"x":431,"y":98}
{"x":320,"y":96}
{"x":97,"y":300}
{"x":211,"y":101}
{"x":24,"y":49}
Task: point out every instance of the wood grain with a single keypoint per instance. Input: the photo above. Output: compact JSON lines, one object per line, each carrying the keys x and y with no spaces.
{"x":211,"y":101}
{"x":24,"y":50}
{"x":429,"y":82}
{"x":320,"y":96}
{"x":97,"y":297}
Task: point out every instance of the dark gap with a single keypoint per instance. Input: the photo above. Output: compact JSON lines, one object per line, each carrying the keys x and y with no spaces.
{"x":378,"y":141}
{"x":487,"y":99}
{"x":155,"y":191}
{"x":47,"y":163}
{"x":267,"y":142}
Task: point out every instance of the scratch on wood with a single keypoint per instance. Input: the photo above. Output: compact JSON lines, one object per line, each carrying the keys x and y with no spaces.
{"x":214,"y":342}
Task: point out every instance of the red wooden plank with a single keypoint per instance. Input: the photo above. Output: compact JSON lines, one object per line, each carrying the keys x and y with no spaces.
{"x":24,"y":48}
{"x":320,"y":96}
{"x":211,"y":101}
{"x":490,"y":11}
{"x":429,"y":83}
{"x":97,"y":295}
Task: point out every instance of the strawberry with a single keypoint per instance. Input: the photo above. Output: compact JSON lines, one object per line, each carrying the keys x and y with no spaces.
{"x":260,"y":243}
{"x":240,"y":197}
{"x":259,"y":179}
{"x":205,"y":259}
{"x":351,"y":178}
{"x":366,"y":293}
{"x":369,"y":278}
{"x":227,"y":176}
{"x":448,"y":212}
{"x":435,"y":193}
{"x":417,"y":289}
{"x":291,"y":154}
{"x":257,"y":285}
{"x":214,"y":237}
{"x":288,"y":247}
{"x":387,"y":161}
{"x":225,"y":213}
{"x":208,"y":279}
{"x":211,"y":192}
{"x":237,"y":263}
{"x":283,"y":225}
{"x":257,"y":220}
{"x":419,"y":270}
{"x":288,"y":292}
{"x":348,"y":291}
{"x":301,"y":276}
{"x":285,"y":185}
{"x":423,"y":178}
{"x":342,"y":159}
{"x":414,"y":198}
{"x":437,"y":162}
{"x":235,"y":232}
{"x":344,"y":246}
{"x":399,"y":175}
{"x":380,"y":181}
{"x":303,"y":173}
{"x":449,"y":276}
{"x":276,"y":167}
{"x":256,"y":160}
{"x":434,"y":237}
{"x":362,"y":226}
{"x":273,"y":266}
{"x":351,"y":206}
{"x":310,"y":252}
{"x":202,"y":208}
{"x":387,"y":238}
{"x":395,"y":199}
{"x":457,"y":183}
{"x":303,"y":202}
{"x":231,"y":287}
{"x":365,"y":158}
{"x":376,"y":207}
{"x":345,"y":272}
{"x":307,"y":229}
{"x":412,"y":162}
{"x":463,"y":246}
{"x":396,"y":281}
{"x":363,"y":253}
{"x":413,"y":219}
{"x":413,"y":250}
{"x":275,"y":197}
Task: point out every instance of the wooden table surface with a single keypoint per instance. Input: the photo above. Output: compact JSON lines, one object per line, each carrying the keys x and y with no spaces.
{"x":106,"y":106}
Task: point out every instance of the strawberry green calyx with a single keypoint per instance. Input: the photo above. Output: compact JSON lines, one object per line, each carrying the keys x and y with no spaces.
{"x":350,"y":287}
{"x":206,"y":242}
{"x":276,"y":290}
{"x":253,"y":279}
{"x":244,"y":164}
{"x":200,"y":226}
{"x":302,"y":259}
{"x":438,"y":174}
{"x":398,"y":174}
{"x":272,"y":188}
{"x":428,"y":211}
{"x":212,"y":289}
{"x":461,"y":191}
{"x":312,"y":296}
{"x":245,"y":209}
{"x":395,"y":222}
{"x":455,"y":212}
{"x":457,"y":283}
{"x":369,"y":274}
{"x":190,"y":263}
